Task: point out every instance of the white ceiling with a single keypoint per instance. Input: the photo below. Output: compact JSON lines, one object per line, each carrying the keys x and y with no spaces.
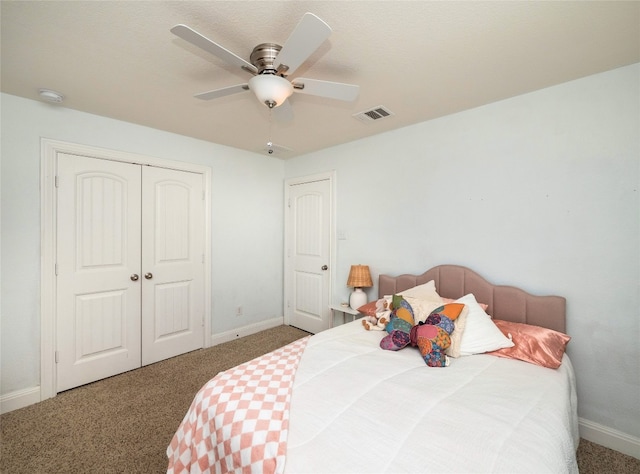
{"x":419,"y":59}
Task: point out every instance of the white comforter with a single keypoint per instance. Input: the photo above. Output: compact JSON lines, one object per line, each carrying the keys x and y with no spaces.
{"x":356,"y":408}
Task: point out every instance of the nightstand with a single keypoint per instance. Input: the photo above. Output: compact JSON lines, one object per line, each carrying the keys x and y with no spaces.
{"x":338,"y":308}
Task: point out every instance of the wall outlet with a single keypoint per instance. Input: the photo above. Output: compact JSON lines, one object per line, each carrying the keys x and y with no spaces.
{"x":239,"y":311}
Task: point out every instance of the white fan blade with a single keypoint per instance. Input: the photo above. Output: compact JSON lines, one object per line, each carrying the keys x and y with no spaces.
{"x":209,"y":46}
{"x":214,"y":94}
{"x":284,"y":112}
{"x":328,"y":89}
{"x":307,"y":36}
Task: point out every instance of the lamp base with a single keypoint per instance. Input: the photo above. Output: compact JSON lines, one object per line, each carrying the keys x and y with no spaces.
{"x":358,"y":298}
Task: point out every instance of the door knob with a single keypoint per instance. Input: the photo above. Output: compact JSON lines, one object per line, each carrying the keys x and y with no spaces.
{"x":324,"y":267}
{"x":134,"y":277}
{"x":148,"y":276}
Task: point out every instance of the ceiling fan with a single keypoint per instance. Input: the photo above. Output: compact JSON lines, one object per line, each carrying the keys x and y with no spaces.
{"x":271,"y":64}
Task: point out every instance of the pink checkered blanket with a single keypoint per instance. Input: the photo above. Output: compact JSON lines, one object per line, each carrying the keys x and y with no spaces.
{"x":238,"y":422}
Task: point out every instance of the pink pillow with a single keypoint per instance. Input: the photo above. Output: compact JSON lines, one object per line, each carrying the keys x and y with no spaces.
{"x":372,"y":308}
{"x":533,"y":344}
{"x":368,"y":309}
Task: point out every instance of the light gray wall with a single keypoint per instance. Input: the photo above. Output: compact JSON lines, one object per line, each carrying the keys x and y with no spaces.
{"x":539,"y":191}
{"x":247,"y":221}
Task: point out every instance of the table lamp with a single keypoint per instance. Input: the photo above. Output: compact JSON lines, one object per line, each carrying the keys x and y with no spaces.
{"x":359,"y":277}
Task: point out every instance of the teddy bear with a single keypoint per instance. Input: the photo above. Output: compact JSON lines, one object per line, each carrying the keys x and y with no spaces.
{"x":378,"y":321}
{"x":432,"y":337}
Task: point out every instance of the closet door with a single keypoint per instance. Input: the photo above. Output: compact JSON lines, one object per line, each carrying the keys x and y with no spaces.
{"x":130,"y":267}
{"x":172,"y":263}
{"x":98,"y":269}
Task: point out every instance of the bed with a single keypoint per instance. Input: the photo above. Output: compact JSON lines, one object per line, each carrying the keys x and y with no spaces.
{"x":342,"y":404}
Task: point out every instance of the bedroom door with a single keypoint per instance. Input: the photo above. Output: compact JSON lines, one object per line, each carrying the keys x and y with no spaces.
{"x":129,"y":267}
{"x":307,"y":273}
{"x":172,"y":272}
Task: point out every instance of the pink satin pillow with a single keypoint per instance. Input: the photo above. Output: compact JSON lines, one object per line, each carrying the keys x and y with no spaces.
{"x":368,"y":309}
{"x":533,"y":344}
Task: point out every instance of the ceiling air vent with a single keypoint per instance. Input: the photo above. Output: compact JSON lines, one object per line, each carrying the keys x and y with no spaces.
{"x":377,"y":113}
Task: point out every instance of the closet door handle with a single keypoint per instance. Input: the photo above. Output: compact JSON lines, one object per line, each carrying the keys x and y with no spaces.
{"x":134,"y":277}
{"x":148,"y":276}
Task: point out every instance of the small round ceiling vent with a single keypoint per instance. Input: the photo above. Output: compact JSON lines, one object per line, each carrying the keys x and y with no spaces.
{"x":51,"y":96}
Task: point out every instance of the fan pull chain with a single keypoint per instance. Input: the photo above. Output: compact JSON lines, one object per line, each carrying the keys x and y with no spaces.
{"x":269,"y":142}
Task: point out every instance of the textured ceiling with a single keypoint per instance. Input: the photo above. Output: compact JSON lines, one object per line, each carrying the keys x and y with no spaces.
{"x":419,"y":59}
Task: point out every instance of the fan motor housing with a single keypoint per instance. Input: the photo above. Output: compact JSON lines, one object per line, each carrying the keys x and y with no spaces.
{"x":263,"y":57}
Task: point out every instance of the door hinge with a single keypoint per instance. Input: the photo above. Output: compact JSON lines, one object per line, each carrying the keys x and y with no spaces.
{"x":57,"y":357}
{"x":56,"y":181}
{"x":55,"y":268}
{"x":289,"y":202}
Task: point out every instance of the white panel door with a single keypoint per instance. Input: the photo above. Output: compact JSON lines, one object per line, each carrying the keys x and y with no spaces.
{"x":98,"y":268}
{"x":308,"y":255}
{"x":172,"y":263}
{"x":130,"y":267}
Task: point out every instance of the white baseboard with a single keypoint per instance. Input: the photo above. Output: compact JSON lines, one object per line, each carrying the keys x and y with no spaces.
{"x":19,"y":399}
{"x":246,"y":330}
{"x":609,"y":438}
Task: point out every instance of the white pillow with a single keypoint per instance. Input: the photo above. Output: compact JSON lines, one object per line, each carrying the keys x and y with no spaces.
{"x":423,"y":308}
{"x":456,"y":336}
{"x":426,"y":291}
{"x":423,"y":300}
{"x":480,"y":333}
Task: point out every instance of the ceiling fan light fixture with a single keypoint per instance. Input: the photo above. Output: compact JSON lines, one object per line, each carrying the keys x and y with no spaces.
{"x":271,"y":90}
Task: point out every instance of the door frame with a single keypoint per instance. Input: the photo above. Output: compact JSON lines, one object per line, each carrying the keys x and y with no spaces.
{"x":328,"y":175}
{"x":49,"y":150}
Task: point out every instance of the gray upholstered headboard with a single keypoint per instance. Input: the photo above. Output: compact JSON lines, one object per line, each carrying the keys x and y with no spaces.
{"x":505,"y":302}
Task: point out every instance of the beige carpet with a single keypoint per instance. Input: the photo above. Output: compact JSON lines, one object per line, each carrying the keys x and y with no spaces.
{"x":124,"y":424}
